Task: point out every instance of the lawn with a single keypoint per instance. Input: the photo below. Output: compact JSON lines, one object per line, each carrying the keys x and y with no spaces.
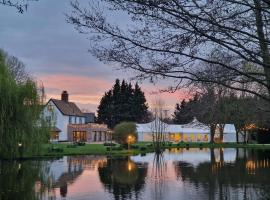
{"x":61,"y":149}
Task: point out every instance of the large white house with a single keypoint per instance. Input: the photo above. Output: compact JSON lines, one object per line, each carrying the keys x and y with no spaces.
{"x":69,"y":123}
{"x":194,"y":131}
{"x":60,"y":113}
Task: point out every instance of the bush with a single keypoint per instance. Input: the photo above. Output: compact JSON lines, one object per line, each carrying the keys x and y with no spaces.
{"x":134,"y":146}
{"x":125,"y":133}
{"x":108,"y":144}
{"x":81,"y":143}
{"x":143,"y":148}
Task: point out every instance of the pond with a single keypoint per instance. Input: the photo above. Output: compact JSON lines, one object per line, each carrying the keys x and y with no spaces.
{"x":177,"y":174}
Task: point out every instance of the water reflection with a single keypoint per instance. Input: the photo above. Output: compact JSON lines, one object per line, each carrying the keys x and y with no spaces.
{"x":245,"y":177}
{"x":176,"y":174}
{"x":123,"y":178}
{"x":18,"y":180}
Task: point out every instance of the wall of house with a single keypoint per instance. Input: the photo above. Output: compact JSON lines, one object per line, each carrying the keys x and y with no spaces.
{"x":57,"y":119}
{"x":77,"y":120}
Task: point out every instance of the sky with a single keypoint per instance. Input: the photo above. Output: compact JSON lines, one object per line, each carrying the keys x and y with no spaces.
{"x":57,"y":55}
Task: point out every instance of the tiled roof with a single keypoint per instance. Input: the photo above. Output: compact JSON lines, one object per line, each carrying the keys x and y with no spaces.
{"x":67,"y":108}
{"x":55,"y":129}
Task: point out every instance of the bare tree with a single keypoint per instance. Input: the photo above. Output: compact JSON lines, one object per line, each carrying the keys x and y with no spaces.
{"x":157,"y":126}
{"x":170,"y":39}
{"x":21,"y":5}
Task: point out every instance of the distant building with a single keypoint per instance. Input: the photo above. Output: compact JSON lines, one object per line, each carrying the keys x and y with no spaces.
{"x":64,"y":115}
{"x":194,"y":131}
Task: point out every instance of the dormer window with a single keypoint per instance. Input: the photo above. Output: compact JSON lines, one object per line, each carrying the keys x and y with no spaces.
{"x":50,"y":107}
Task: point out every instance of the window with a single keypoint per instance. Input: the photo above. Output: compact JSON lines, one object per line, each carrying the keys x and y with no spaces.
{"x":75,"y":120}
{"x":70,"y":120}
{"x":80,"y":120}
{"x":48,"y":119}
{"x":54,"y":135}
{"x":50,"y":107}
{"x":79,"y":136}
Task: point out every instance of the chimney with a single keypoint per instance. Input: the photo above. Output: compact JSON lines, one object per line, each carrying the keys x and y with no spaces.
{"x":64,"y":96}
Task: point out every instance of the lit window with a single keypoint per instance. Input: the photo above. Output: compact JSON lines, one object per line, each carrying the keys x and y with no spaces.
{"x":50,"y":107}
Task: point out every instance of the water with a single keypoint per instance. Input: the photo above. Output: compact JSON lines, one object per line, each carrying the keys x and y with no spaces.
{"x":178,"y":174}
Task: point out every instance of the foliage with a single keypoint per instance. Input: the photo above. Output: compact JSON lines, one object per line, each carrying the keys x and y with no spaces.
{"x":19,"y":179}
{"x":183,"y":112}
{"x":125,"y":133}
{"x":122,"y":103}
{"x":20,"y":5}
{"x":21,"y":131}
{"x":176,"y":39}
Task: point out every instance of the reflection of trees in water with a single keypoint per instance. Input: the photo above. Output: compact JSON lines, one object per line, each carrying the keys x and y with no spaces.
{"x":246,"y":178}
{"x":158,"y":175}
{"x":21,"y":180}
{"x":123,"y":177}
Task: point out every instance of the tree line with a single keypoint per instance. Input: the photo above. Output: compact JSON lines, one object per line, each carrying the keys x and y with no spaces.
{"x":217,"y":106}
{"x":222,"y":42}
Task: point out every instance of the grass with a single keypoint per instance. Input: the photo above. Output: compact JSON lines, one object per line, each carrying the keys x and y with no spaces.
{"x":60,"y":150}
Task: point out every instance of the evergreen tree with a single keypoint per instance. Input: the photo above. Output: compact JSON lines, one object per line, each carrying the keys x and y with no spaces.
{"x":185,"y":111}
{"x":122,"y":103}
{"x":140,"y":107}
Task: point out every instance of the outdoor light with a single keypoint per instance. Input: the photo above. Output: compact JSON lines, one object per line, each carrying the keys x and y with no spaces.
{"x":19,"y":144}
{"x":129,"y":140}
{"x":129,"y":166}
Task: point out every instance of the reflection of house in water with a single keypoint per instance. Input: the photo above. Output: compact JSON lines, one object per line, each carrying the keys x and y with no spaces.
{"x":63,"y":172}
{"x":221,"y":179}
{"x":123,"y":178}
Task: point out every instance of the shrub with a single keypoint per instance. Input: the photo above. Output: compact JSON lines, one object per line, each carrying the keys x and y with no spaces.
{"x":125,"y":133}
{"x":108,"y":144}
{"x":134,"y":146}
{"x":143,"y":148}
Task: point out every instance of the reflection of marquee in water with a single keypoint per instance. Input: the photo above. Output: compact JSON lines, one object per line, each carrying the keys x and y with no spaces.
{"x":249,"y":169}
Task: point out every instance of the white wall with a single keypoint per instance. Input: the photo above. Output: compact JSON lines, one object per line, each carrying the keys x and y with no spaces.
{"x":57,"y":119}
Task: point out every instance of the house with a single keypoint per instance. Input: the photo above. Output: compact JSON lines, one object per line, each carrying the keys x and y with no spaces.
{"x":194,"y":131}
{"x":68,"y":122}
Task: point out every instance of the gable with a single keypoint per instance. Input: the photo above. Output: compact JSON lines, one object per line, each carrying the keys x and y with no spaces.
{"x":67,"y":108}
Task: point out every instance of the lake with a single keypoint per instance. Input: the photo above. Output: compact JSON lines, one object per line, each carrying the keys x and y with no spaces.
{"x":177,"y":174}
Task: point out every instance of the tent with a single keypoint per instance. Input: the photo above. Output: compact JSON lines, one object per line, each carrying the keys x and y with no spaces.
{"x":194,"y":131}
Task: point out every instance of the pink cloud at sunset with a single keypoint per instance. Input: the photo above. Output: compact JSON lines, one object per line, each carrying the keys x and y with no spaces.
{"x":87,"y":91}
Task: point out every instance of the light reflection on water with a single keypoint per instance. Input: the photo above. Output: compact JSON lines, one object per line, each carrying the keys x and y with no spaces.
{"x":177,"y":174}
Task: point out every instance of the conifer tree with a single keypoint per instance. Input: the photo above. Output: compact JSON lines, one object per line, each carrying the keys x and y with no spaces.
{"x":122,"y":103}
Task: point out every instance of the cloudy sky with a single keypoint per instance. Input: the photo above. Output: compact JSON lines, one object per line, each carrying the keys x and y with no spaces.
{"x":57,"y":55}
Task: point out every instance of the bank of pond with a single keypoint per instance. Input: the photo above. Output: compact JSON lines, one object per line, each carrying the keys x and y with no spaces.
{"x":178,"y":173}
{"x":61,"y":149}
